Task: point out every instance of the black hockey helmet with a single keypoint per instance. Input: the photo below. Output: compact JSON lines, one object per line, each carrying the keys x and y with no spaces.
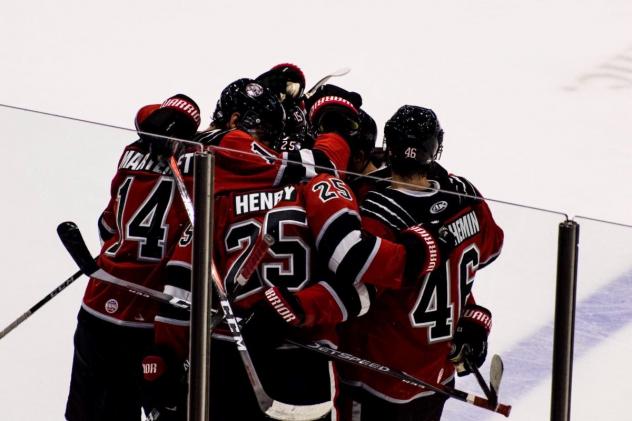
{"x":367,"y":134}
{"x":413,"y":138}
{"x":260,"y":112}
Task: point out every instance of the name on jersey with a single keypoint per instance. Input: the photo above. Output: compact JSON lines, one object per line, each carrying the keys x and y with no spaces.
{"x":465,"y":227}
{"x":139,"y":161}
{"x":262,"y":201}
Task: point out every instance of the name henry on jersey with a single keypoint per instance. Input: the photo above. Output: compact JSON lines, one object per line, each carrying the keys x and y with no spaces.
{"x":465,"y":227}
{"x":262,"y":201}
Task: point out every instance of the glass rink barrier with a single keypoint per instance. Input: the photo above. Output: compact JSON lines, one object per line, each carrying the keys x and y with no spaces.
{"x":54,"y":170}
{"x":603,"y":322}
{"x":519,"y":289}
{"x":58,"y":169}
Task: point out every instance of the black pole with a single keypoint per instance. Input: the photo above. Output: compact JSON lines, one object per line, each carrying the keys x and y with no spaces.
{"x":200,"y":343}
{"x":563,"y":334}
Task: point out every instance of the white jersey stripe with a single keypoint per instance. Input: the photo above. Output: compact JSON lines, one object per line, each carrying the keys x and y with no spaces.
{"x":350,"y":240}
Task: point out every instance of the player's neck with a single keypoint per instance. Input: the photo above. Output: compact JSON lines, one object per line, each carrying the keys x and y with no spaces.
{"x":369,"y":168}
{"x":415,"y":182}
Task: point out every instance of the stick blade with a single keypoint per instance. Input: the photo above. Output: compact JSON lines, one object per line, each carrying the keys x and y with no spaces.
{"x":496,"y":370}
{"x":72,"y":239}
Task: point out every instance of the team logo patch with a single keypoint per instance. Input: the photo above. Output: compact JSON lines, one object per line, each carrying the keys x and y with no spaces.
{"x":111,"y":306}
{"x":254,"y":90}
{"x":438,"y":207}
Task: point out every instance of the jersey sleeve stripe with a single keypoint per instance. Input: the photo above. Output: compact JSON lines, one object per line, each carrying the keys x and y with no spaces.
{"x":295,"y":170}
{"x":343,"y":248}
{"x":179,"y":263}
{"x":323,"y":162}
{"x":395,"y":207}
{"x":281,"y":172}
{"x":339,"y":223}
{"x":380,"y":217}
{"x":382,"y":213}
{"x":307,"y":159}
{"x":369,"y":260}
{"x":106,"y":226}
{"x":365,"y":298}
{"x":343,"y":308}
{"x":355,"y":259}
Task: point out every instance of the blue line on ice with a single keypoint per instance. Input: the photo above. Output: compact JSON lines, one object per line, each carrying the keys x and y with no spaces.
{"x":528,"y":362}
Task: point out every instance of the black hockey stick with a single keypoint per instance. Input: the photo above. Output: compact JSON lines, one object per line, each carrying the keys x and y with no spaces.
{"x":72,"y":239}
{"x":340,"y":72}
{"x":272,"y":408}
{"x":447,"y":391}
{"x":39,"y":304}
{"x":495,"y":374}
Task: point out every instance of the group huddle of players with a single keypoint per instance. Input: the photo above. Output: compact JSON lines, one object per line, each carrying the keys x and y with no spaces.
{"x":379,"y":262}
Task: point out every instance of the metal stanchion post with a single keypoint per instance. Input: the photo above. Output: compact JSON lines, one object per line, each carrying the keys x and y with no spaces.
{"x":200,"y":343}
{"x":563,"y":334}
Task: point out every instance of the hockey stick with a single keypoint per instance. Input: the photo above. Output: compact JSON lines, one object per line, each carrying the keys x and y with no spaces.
{"x":270,"y":407}
{"x":258,"y":252}
{"x":182,"y":189}
{"x":340,"y":72}
{"x":493,"y":398}
{"x":496,"y":370}
{"x":39,"y":304}
{"x":73,"y":241}
{"x":406,"y":378}
{"x":495,"y":375}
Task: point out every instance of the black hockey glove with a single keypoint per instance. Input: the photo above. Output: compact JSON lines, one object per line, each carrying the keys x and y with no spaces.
{"x":470,"y":339}
{"x":164,"y":388}
{"x":286,"y":81}
{"x":273,"y":319}
{"x":427,"y":246}
{"x":333,"y":109}
{"x":178,"y":117}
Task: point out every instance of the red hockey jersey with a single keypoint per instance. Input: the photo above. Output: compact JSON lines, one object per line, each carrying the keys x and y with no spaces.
{"x":141,"y":222}
{"x":145,"y":216}
{"x":410,"y":329}
{"x":243,"y":163}
{"x":320,"y":254}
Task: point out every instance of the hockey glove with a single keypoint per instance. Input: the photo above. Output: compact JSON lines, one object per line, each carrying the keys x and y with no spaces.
{"x":178,"y":117}
{"x":273,"y":319}
{"x":164,"y":389}
{"x":286,"y":81}
{"x":427,"y":246}
{"x":333,"y":109}
{"x":470,"y":339}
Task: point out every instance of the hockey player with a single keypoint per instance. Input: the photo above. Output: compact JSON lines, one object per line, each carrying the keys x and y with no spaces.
{"x":318,"y":236}
{"x":138,"y":227}
{"x":429,"y":323}
{"x":247,"y":114}
{"x":365,"y":162}
{"x":287,"y":82}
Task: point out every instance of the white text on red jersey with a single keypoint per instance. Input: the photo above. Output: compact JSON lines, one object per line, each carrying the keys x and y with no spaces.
{"x":262,"y":201}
